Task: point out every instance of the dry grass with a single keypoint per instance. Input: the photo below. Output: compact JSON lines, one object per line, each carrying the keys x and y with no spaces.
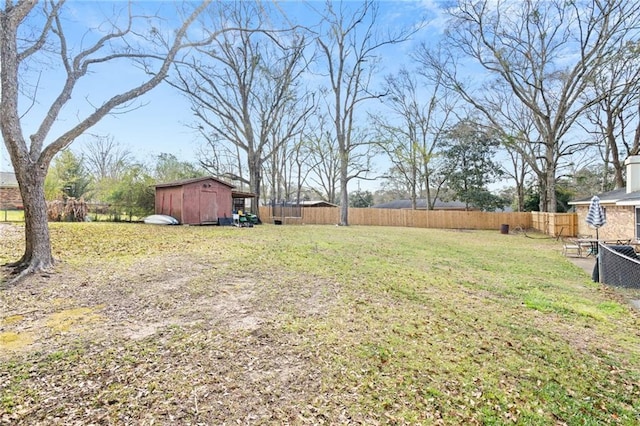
{"x":312,"y":325}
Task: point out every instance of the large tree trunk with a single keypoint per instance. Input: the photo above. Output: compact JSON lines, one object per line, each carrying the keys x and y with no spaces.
{"x":344,"y":194}
{"x":520,"y":190}
{"x":551,"y":179}
{"x":37,"y":253}
{"x":414,"y":183}
{"x":255,"y":181}
{"x":542,"y":189}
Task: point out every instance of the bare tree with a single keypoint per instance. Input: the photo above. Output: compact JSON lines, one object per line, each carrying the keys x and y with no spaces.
{"x":243,"y":90}
{"x":219,"y":159}
{"x":25,"y":52}
{"x":518,"y":169}
{"x":105,"y":158}
{"x":546,"y":53}
{"x":287,"y":169}
{"x":348,"y":47}
{"x":324,"y":161}
{"x":106,"y":161}
{"x":412,"y":138}
{"x":616,"y":117}
{"x":514,"y":124}
{"x":300,"y":165}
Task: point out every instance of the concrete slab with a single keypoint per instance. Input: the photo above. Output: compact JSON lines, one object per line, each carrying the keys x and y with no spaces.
{"x":586,"y":263}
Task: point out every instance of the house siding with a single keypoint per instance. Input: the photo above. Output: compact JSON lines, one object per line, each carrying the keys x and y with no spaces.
{"x":620,"y":222}
{"x":10,"y":198}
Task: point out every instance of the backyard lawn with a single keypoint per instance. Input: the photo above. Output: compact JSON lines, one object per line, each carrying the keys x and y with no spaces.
{"x":140,"y":324}
{"x":11,"y":215}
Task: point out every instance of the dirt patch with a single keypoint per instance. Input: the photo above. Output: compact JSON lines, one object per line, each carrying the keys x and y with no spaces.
{"x":113,"y":301}
{"x":137,"y":301}
{"x":166,"y":340}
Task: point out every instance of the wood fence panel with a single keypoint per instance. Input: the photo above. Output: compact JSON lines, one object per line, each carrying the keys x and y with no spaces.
{"x":444,"y":219}
{"x":320,"y":215}
{"x":555,"y":224}
{"x":265,"y":213}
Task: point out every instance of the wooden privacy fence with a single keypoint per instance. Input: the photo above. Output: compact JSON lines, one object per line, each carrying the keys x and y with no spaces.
{"x":444,"y":219}
{"x":555,"y":224}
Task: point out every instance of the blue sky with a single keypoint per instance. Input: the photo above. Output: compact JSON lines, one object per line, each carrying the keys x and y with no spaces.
{"x":157,"y":122}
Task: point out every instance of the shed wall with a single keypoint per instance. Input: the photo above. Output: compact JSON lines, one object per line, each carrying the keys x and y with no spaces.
{"x":169,"y":202}
{"x":201,"y":201}
{"x":195,"y":203}
{"x":191,"y":204}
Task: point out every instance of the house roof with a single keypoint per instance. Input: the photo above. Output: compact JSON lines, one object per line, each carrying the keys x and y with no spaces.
{"x":192,"y":180}
{"x":617,"y":196}
{"x":421,"y":204}
{"x":303,"y":203}
{"x":8,"y":180}
{"x":316,"y":203}
{"x":620,"y":196}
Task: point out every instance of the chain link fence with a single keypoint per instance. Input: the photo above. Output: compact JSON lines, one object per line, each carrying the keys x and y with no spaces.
{"x":283,"y":209}
{"x":115,"y":213}
{"x":95,"y":213}
{"x":618,"y":265}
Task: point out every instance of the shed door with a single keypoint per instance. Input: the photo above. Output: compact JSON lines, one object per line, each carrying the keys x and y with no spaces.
{"x":208,"y":206}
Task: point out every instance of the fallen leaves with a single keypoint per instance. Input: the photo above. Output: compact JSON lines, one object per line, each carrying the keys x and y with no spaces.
{"x":202,"y":325}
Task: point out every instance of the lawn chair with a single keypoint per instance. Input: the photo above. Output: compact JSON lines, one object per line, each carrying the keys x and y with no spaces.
{"x":588,"y":245}
{"x":571,"y":246}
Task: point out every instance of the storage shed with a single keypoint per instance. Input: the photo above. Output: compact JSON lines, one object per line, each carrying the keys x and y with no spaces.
{"x":198,"y":201}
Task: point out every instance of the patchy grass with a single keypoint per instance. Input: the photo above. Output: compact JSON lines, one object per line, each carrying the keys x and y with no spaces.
{"x":311,"y":324}
{"x":11,"y":215}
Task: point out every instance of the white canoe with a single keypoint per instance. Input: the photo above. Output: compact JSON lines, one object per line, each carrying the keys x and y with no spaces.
{"x":160,"y":219}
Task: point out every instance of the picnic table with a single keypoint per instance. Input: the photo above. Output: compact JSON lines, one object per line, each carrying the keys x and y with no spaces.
{"x":591,"y":244}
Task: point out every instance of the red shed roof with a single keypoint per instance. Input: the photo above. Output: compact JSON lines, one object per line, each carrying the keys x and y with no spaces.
{"x":192,"y":180}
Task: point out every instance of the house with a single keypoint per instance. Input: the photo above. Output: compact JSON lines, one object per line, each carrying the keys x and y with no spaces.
{"x":198,"y":201}
{"x":621,"y":206}
{"x":10,"y":198}
{"x":316,"y":203}
{"x":421,"y":204}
